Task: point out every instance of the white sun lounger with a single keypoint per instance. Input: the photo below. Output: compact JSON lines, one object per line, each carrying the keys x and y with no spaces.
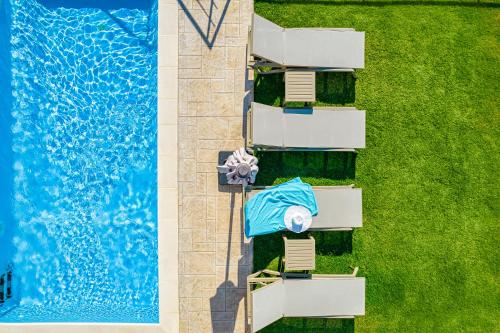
{"x":275,"y":128}
{"x":327,"y":48}
{"x":324,"y":296}
{"x":339,"y":207}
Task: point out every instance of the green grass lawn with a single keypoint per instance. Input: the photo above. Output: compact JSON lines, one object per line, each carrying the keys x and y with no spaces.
{"x":429,"y":247}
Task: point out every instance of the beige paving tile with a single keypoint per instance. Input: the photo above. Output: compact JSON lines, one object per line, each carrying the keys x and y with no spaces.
{"x":189,"y":44}
{"x":235,"y":275}
{"x":208,"y":155}
{"x":235,"y":57}
{"x":193,"y":212}
{"x":231,"y":253}
{"x":195,"y":304}
{"x":193,"y":285}
{"x":212,"y":62}
{"x":204,"y":247}
{"x":185,"y":240}
{"x":212,"y":128}
{"x":222,"y":105}
{"x":199,"y":263}
{"x":216,"y":258}
{"x":200,"y":322}
{"x":187,"y":62}
{"x":211,"y":207}
{"x":190,"y":73}
{"x":187,"y":169}
{"x":201,"y":183}
{"x":209,"y":168}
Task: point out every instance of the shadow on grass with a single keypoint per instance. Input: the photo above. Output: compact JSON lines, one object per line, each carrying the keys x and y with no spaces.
{"x":325,"y":165}
{"x":333,"y":243}
{"x":268,"y":248}
{"x":269,"y":89}
{"x":310,"y":325}
{"x":331,"y":88}
{"x":335,"y":88}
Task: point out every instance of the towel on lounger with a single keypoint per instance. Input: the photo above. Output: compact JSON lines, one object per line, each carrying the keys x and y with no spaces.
{"x":265,"y":212}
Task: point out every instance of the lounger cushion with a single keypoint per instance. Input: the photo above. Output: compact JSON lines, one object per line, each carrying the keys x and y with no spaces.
{"x":324,"y":48}
{"x":316,"y":297}
{"x":324,"y":297}
{"x":265,"y":212}
{"x":307,"y":128}
{"x":339,"y":207}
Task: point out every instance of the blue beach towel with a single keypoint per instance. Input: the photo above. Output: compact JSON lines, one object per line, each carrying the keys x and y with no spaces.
{"x":265,"y":212}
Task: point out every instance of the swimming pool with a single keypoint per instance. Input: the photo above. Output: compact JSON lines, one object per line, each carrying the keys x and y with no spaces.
{"x":78,"y":170}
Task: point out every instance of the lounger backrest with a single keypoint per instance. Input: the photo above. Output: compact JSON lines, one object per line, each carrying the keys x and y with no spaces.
{"x":267,"y":39}
{"x":338,"y":208}
{"x":267,"y":125}
{"x":335,"y":297}
{"x":307,"y":128}
{"x":267,"y":304}
{"x":307,"y":47}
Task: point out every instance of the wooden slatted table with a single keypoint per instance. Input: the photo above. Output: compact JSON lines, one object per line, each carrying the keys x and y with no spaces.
{"x":300,"y":86}
{"x":300,"y":254}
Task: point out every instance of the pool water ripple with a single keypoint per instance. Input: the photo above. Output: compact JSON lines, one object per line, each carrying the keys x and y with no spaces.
{"x":84,"y":131}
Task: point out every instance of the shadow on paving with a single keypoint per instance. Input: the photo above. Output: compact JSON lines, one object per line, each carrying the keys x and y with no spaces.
{"x":210,"y":23}
{"x":327,"y":165}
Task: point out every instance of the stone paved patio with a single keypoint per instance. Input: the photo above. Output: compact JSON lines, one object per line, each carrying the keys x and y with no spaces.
{"x":214,"y":258}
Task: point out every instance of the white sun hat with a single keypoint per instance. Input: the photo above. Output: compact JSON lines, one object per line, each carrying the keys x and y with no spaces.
{"x":298,"y":218}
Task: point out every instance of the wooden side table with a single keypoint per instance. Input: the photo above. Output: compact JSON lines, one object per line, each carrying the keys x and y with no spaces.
{"x":300,"y":254}
{"x":300,"y":86}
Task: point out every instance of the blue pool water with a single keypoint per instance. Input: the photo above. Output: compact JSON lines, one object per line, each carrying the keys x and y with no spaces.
{"x":78,"y":192}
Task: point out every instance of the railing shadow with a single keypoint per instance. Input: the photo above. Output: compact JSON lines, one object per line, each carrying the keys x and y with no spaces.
{"x":211,"y":31}
{"x":327,"y":166}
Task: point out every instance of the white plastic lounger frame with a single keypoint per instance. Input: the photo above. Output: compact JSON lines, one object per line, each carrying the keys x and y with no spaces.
{"x":339,"y":207}
{"x":336,"y":49}
{"x":322,"y":129}
{"x":316,"y":295}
